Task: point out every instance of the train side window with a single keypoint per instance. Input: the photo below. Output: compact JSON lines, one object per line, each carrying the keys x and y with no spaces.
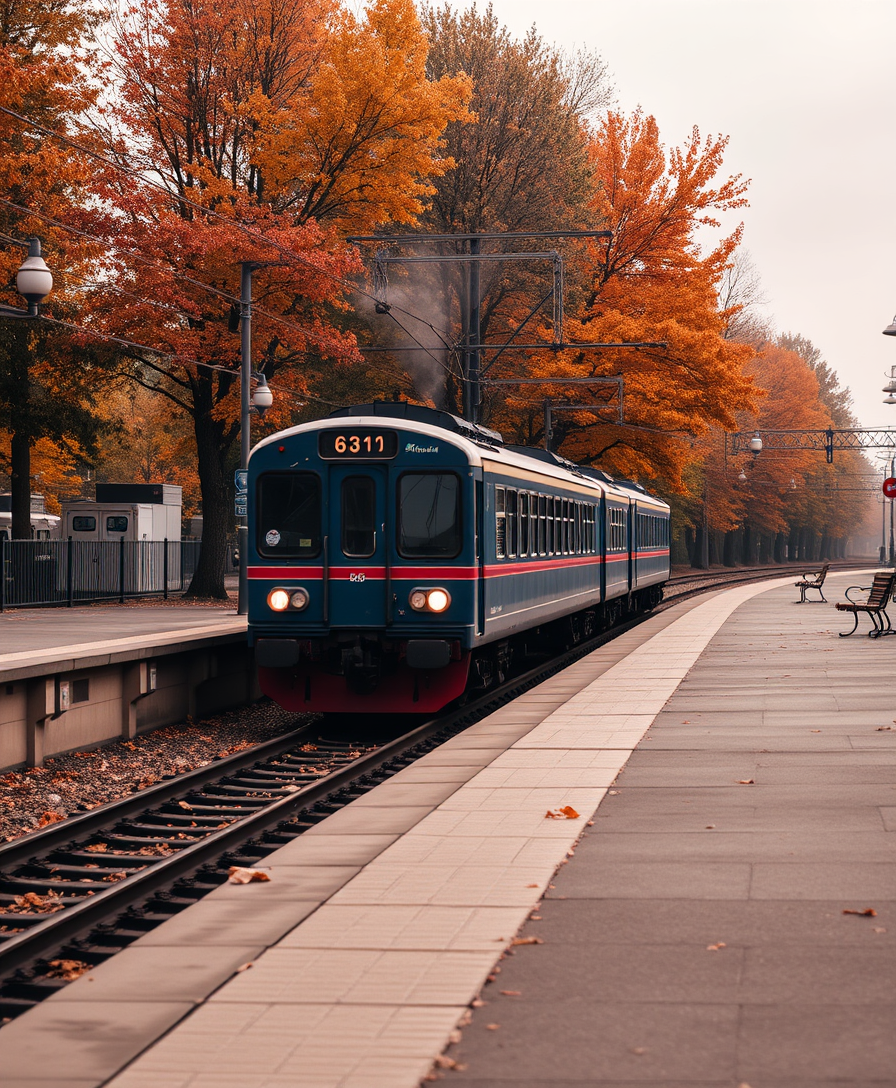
{"x":429,"y":515}
{"x":289,"y":514}
{"x":500,"y":524}
{"x":84,"y":524}
{"x":542,"y":525}
{"x":512,"y":523}
{"x":358,"y":516}
{"x":524,"y":523}
{"x":116,"y":525}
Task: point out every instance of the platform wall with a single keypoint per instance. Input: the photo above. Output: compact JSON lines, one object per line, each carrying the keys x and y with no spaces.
{"x":119,"y":700}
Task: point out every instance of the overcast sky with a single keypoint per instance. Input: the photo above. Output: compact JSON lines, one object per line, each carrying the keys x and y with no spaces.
{"x":805,"y":91}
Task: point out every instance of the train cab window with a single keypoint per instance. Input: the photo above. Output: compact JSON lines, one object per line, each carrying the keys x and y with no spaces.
{"x":429,"y":515}
{"x":84,"y":524}
{"x":358,"y":516}
{"x":289,"y":514}
{"x":116,"y":525}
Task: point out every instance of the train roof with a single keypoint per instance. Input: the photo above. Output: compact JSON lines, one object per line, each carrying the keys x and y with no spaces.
{"x":481,"y":444}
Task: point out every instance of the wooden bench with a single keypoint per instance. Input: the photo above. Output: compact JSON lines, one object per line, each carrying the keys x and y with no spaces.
{"x":879,"y":593}
{"x":812,"y":580}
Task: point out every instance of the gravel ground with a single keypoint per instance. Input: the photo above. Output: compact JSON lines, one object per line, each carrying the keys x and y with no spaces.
{"x":78,"y":781}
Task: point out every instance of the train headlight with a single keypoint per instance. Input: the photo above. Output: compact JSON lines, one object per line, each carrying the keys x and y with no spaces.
{"x":294,"y":599}
{"x":430,"y":600}
{"x":278,"y":599}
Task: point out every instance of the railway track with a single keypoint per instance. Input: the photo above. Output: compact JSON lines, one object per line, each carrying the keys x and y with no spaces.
{"x":78,"y":891}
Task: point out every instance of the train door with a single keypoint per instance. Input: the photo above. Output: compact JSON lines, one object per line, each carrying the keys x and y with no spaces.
{"x":356,"y":566}
{"x":633,"y":545}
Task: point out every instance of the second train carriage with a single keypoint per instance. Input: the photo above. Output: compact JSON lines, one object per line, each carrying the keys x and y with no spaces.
{"x":399,"y":555}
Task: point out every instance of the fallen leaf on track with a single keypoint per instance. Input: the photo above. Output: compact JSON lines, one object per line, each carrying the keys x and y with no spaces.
{"x":238,"y":875}
{"x":68,"y":970}
{"x":716,"y":947}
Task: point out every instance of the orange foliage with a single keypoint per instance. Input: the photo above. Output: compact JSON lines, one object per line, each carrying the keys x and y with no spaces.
{"x":651,"y":284}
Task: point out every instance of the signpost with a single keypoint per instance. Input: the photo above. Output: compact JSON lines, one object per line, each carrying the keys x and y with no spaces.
{"x":240,"y":478}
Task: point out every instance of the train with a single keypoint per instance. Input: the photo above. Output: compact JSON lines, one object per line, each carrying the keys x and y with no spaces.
{"x":400,"y":558}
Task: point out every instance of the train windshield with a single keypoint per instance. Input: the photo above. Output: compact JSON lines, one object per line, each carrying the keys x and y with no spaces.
{"x":289,"y":514}
{"x":429,"y":515}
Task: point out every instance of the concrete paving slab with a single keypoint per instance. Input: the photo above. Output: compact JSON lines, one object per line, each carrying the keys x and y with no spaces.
{"x":289,"y":882}
{"x":90,"y":1040}
{"x":223,"y":922}
{"x":328,"y":850}
{"x":374,"y":820}
{"x":175,"y":973}
{"x":831,"y":1043}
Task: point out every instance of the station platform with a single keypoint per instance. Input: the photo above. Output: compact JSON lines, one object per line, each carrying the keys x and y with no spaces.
{"x":670,"y":865}
{"x":79,"y":677}
{"x":42,"y":635}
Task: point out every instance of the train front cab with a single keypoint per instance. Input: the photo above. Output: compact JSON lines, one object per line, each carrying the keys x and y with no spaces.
{"x":373,"y":559}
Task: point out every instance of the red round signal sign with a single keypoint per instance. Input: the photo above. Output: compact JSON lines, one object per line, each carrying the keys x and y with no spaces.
{"x":889,"y":487}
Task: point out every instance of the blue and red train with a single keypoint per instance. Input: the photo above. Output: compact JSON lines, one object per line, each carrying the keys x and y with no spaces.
{"x":400,"y":556}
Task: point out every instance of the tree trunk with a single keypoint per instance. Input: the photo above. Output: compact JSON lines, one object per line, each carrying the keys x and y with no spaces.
{"x":217,"y":519}
{"x":747,"y":546}
{"x":779,"y":547}
{"x":729,"y":549}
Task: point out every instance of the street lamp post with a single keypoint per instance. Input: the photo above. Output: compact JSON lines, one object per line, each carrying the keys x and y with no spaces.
{"x":34,"y":281}
{"x":258,"y":403}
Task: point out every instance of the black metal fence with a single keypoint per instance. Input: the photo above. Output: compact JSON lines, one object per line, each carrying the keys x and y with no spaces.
{"x":66,"y":572}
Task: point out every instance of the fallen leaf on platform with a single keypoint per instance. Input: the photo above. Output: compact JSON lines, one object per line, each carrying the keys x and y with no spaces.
{"x":868,"y":912}
{"x":455,"y":1036}
{"x":716,"y":947}
{"x":68,"y":970}
{"x":746,"y":781}
{"x":639,"y":1050}
{"x":884,"y":728}
{"x":567,"y":812}
{"x":878,"y":929}
{"x":531,"y":885}
{"x":710,"y":827}
{"x":590,"y":823}
{"x":238,"y":875}
{"x":492,"y":1027}
{"x":477,"y":1003}
{"x":534,"y":917}
{"x":245,"y":966}
{"x":814,"y":730}
{"x":613,"y":793}
{"x":444,"y":1062}
{"x":512,"y":993}
{"x":526,"y":940}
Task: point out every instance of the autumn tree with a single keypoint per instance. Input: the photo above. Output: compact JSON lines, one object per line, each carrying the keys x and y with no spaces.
{"x":521,"y":164}
{"x":272,"y":128}
{"x":651,"y":283}
{"x":44,"y":85}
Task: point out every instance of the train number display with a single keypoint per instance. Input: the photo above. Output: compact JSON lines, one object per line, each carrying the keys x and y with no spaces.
{"x":357,"y":444}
